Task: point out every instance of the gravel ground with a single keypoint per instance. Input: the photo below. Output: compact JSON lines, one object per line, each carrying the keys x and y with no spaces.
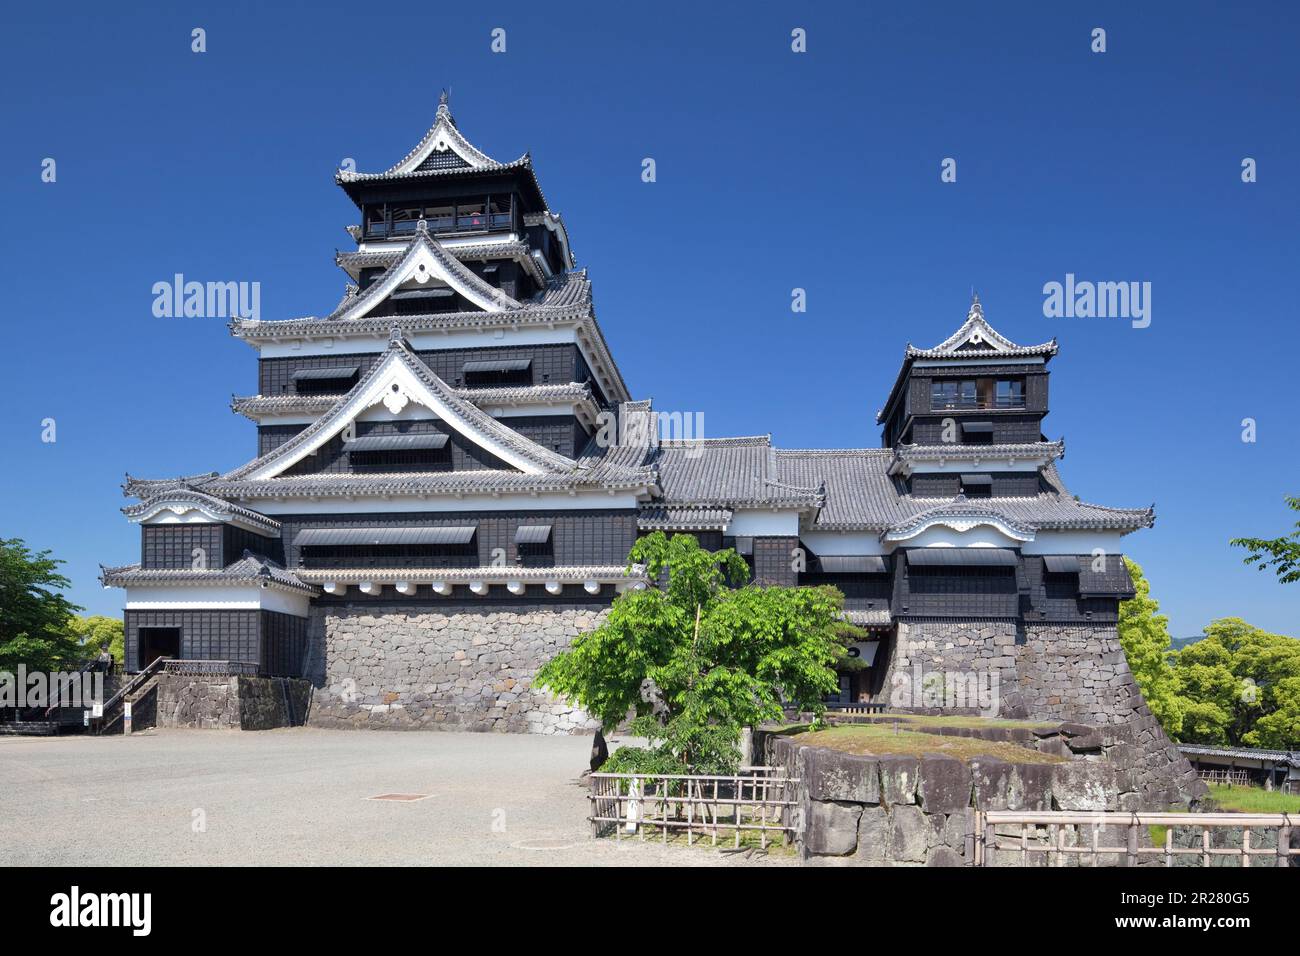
{"x":299,"y":797}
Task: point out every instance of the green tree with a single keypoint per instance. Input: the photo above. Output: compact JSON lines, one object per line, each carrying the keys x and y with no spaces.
{"x":700,"y":658}
{"x":1144,"y":635}
{"x":99,"y":633}
{"x":33,"y":614}
{"x":1242,"y":686}
{"x":1281,"y":554}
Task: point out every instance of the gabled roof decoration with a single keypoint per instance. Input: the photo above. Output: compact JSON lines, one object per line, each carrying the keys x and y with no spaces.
{"x":251,"y":569}
{"x":862,"y":496}
{"x":397,"y":379}
{"x":576,"y":393}
{"x":1041,"y":451}
{"x":960,"y":515}
{"x":353,"y":262}
{"x":443,"y":146}
{"x":975,"y":340}
{"x":442,"y":151}
{"x":424,"y":259}
{"x":184,"y":501}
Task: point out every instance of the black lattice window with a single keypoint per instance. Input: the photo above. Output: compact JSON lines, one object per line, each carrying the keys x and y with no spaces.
{"x":390,"y":556}
{"x":419,"y":459}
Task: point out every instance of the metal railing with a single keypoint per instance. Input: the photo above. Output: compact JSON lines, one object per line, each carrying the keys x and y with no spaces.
{"x":856,"y":707}
{"x":1061,"y":835}
{"x":959,"y":404}
{"x":184,"y":668}
{"x":756,"y":800}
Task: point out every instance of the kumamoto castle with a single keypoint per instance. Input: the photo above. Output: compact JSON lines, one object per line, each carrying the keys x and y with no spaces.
{"x":451,"y":470}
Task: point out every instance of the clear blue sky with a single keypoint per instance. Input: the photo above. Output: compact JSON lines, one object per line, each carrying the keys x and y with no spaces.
{"x":775,"y":171}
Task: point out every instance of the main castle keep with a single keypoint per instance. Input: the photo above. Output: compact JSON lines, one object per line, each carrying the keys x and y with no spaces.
{"x":450,"y":473}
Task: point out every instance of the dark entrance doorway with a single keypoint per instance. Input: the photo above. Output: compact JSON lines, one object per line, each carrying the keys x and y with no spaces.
{"x":156,"y":642}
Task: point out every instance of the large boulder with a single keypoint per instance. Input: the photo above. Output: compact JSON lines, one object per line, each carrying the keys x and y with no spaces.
{"x":1084,"y":785}
{"x":945,"y":784}
{"x":898,"y":778}
{"x":831,"y":829}
{"x":832,"y":775}
{"x":912,"y":833}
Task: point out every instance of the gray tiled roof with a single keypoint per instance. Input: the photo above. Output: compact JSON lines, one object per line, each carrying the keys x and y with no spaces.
{"x":730,"y":472}
{"x":568,"y":574}
{"x":480,"y":162}
{"x":152,"y":487}
{"x":353,"y":262}
{"x":684,"y":518}
{"x":422,"y":241}
{"x":1050,"y":450}
{"x":1289,"y":757}
{"x":566,"y":298}
{"x":430,"y":483}
{"x":875,"y":617}
{"x":861,"y":495}
{"x":989,"y":346}
{"x":536,"y":454}
{"x":255,"y":406}
{"x":221,"y":509}
{"x":250,"y":569}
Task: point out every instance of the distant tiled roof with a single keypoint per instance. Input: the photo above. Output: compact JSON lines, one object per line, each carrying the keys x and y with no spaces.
{"x":670,"y":518}
{"x":1288,"y":757}
{"x":875,"y":617}
{"x":250,"y":569}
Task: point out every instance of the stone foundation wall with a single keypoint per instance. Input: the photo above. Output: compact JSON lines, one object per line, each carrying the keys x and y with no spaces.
{"x":459,"y":668}
{"x":899,"y":810}
{"x":1047,"y":672}
{"x":230,"y":703}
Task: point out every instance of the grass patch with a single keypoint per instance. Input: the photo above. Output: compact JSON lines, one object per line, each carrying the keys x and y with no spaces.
{"x":881,"y":738}
{"x":1253,"y":799}
{"x":935,"y":720}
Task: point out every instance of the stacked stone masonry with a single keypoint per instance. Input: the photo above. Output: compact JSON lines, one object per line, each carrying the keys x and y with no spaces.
{"x":919,"y":810}
{"x":1050,"y":672}
{"x":462,"y":668}
{"x":231,"y":703}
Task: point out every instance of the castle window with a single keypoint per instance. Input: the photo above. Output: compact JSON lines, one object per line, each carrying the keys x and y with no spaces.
{"x":953,"y":393}
{"x":491,"y":372}
{"x":440,"y":218}
{"x":399,"y":453}
{"x":977,"y":486}
{"x":535,"y":545}
{"x":1061,"y":576}
{"x":440,"y":547}
{"x":977,"y":433}
{"x":405,"y":219}
{"x":471,"y":216}
{"x":324,"y":381}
